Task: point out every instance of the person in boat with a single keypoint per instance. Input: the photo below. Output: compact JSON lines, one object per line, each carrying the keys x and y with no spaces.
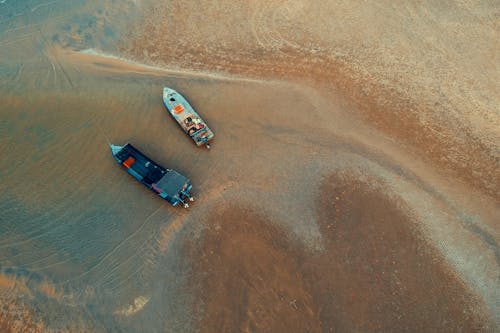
{"x":193,"y":125}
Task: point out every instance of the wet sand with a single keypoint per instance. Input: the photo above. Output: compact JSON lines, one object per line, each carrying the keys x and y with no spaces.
{"x":405,"y":67}
{"x":322,"y":206}
{"x":380,"y":75}
{"x":376,"y":272}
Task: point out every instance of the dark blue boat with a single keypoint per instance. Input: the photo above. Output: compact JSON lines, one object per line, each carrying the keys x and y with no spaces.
{"x":167,"y":183}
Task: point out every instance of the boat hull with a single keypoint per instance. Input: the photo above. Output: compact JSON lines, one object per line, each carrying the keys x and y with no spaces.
{"x":167,"y":183}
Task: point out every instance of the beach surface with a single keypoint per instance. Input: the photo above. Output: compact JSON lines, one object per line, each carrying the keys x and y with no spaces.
{"x":352,"y":186}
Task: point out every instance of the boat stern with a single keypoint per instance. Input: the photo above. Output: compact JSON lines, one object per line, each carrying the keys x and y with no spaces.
{"x":186,"y":196}
{"x":175,"y":188}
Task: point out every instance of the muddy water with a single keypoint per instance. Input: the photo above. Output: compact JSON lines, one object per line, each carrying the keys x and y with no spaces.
{"x":299,"y":193}
{"x":77,"y":250}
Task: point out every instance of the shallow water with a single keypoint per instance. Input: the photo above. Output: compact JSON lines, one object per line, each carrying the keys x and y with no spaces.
{"x":83,"y":246}
{"x":69,"y":220}
{"x":86,"y":241}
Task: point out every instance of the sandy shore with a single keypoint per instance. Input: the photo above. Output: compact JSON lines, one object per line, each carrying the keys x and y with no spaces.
{"x":420,"y":75}
{"x":376,"y":272}
{"x":352,"y":185}
{"x":412,"y":70}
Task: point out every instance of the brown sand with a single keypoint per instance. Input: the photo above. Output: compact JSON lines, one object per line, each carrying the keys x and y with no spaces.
{"x":15,"y":315}
{"x":15,"y":318}
{"x":399,"y":64}
{"x":251,"y":277}
{"x":420,"y":76}
{"x":263,"y":285}
{"x":376,"y":273}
